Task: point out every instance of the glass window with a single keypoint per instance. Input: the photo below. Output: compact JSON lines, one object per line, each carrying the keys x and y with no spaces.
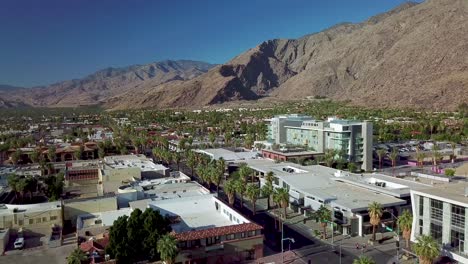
{"x":458,"y":216}
{"x":421,"y":226}
{"x":31,"y":221}
{"x":38,"y":220}
{"x":421,"y":205}
{"x":436,"y":210}
{"x":436,"y":232}
{"x":53,"y":218}
{"x":230,"y":237}
{"x":44,"y":219}
{"x":457,"y":240}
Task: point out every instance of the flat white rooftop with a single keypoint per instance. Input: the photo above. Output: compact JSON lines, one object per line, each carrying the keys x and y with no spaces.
{"x":7,"y":209}
{"x":100,"y":219}
{"x":131,"y":161}
{"x":196,"y":213}
{"x":229,"y":155}
{"x":451,"y":191}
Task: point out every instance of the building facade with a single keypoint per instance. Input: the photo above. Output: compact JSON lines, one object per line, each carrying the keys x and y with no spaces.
{"x":353,"y":138}
{"x":441,"y":213}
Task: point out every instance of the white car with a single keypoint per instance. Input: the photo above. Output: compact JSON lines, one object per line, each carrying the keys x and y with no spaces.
{"x":19,"y":243}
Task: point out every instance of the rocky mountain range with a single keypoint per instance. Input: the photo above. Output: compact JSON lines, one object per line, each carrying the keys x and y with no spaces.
{"x":412,"y":56}
{"x":102,"y":85}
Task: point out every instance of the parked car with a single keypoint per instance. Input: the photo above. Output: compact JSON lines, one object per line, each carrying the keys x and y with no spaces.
{"x":19,"y":243}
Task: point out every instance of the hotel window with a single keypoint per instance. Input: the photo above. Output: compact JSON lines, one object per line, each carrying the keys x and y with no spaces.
{"x":436,"y":210}
{"x":436,"y":232}
{"x":458,"y":216}
{"x":421,"y":205}
{"x":457,"y":240}
{"x":230,"y":237}
{"x":420,"y":226}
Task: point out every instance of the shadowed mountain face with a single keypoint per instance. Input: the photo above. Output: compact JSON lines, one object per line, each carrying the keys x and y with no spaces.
{"x":104,"y":84}
{"x":412,"y":56}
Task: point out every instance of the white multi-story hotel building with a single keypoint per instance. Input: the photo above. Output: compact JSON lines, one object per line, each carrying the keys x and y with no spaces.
{"x":441,"y":212}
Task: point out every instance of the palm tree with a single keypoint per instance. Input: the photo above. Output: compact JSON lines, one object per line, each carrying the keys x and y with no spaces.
{"x":13,"y":183}
{"x":215,"y":176}
{"x":364,"y":260}
{"x":323,"y":214}
{"x":420,"y":158}
{"x":221,"y":168}
{"x":177,"y":157}
{"x":405,"y":221}
{"x":381,"y":154}
{"x":191,"y":161}
{"x":230,"y":190}
{"x":281,"y":197}
{"x":393,"y":158}
{"x":330,"y":157}
{"x":436,"y":156}
{"x":375,"y":212}
{"x":167,"y":248}
{"x":77,"y":257}
{"x":267,"y":190}
{"x":426,"y":248}
{"x":245,"y":171}
{"x":240,"y":189}
{"x":253,"y":191}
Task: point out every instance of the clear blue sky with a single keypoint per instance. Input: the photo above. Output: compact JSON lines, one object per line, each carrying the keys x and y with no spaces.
{"x":45,"y":41}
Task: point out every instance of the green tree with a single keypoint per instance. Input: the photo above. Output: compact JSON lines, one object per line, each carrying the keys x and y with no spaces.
{"x":13,"y":184}
{"x":212,"y":138}
{"x":16,"y":156}
{"x":381,"y":154}
{"x":230,"y":190}
{"x":323,"y":215}
{"x":364,"y":260}
{"x":51,"y":153}
{"x":405,"y":221}
{"x":393,"y":158}
{"x":35,"y":156}
{"x":330,"y":157}
{"x":240,"y":189}
{"x":191,"y":162}
{"x":253,"y":191}
{"x":375,"y":213}
{"x":77,"y":257}
{"x":267,"y":189}
{"x":167,"y":248}
{"x":281,"y":196}
{"x":426,"y":248}
{"x":352,"y":167}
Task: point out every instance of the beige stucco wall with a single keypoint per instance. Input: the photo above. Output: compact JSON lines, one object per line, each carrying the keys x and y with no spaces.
{"x":39,"y":222}
{"x":74,"y":208}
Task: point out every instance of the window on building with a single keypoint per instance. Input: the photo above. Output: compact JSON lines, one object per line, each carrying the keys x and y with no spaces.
{"x":458,"y":216}
{"x":421,"y":226}
{"x":436,"y":232}
{"x":457,"y":240}
{"x":44,"y":219}
{"x":230,"y":237}
{"x":436,"y":210}
{"x":38,"y":220}
{"x":31,"y":221}
{"x":53,"y":218}
{"x":421,"y":205}
{"x":242,"y":234}
{"x":20,"y":222}
{"x":210,"y":241}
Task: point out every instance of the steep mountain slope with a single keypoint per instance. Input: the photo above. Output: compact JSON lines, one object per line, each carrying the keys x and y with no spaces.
{"x":412,"y":56}
{"x":106,"y":83}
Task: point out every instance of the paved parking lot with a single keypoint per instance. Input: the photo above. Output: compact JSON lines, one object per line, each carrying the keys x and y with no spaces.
{"x":39,"y":255}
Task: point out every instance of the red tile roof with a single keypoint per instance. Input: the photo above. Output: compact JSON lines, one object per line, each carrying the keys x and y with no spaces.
{"x":94,"y":245}
{"x":217,"y":231}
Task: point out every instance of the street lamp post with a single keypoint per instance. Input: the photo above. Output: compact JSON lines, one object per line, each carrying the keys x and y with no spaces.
{"x":397,"y":234}
{"x":291,"y":240}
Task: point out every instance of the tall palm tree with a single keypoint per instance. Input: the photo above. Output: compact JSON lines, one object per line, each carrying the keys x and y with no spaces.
{"x":426,"y":248}
{"x":330,"y":157}
{"x":245,"y":171}
{"x":375,"y":213}
{"x":323,"y":214}
{"x":436,"y":156}
{"x":253,"y":191}
{"x":230,"y":190}
{"x":77,"y":257}
{"x":220,"y":168}
{"x":13,"y":183}
{"x":215,"y":176}
{"x":405,"y":221}
{"x":191,"y":161}
{"x":281,"y":197}
{"x":393,"y":158}
{"x":364,"y":260}
{"x":381,"y":154}
{"x":420,"y":158}
{"x":167,"y":248}
{"x":267,"y":190}
{"x":240,"y":189}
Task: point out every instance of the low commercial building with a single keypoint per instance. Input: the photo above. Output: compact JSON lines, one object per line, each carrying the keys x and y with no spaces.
{"x":95,"y":224}
{"x":347,"y":195}
{"x":442,"y":213}
{"x":228,"y":155}
{"x":209,"y":231}
{"x":289,"y":155}
{"x":75,"y":207}
{"x":34,"y":219}
{"x":118,"y":170}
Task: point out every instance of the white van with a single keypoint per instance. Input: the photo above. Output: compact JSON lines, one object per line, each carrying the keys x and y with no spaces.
{"x":19,"y":243}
